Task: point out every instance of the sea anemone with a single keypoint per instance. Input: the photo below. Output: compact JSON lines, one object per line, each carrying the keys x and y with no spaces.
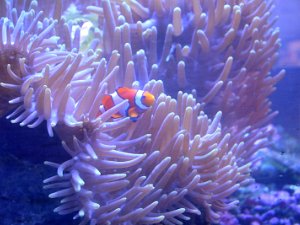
{"x":174,"y":162}
{"x":162,"y":168}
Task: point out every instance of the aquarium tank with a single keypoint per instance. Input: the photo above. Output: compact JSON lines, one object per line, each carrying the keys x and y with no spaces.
{"x":162,"y":112}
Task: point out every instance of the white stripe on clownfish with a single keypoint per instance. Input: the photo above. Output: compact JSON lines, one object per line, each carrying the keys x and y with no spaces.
{"x":138,"y":100}
{"x":117,"y":100}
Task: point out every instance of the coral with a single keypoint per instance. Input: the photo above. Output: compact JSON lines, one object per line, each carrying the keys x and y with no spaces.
{"x":185,"y":155}
{"x":266,"y":206}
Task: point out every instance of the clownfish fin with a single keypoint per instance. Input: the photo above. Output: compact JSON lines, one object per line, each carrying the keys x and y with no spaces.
{"x":122,"y":90}
{"x":107,"y":102}
{"x":132,"y":113}
{"x":127,"y":93}
{"x":116,"y":115}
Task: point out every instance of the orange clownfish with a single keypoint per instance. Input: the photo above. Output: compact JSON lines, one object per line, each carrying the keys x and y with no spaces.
{"x":138,"y":102}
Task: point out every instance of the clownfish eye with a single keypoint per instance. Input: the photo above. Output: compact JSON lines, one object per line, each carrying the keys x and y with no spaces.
{"x":147,"y":99}
{"x":143,"y":99}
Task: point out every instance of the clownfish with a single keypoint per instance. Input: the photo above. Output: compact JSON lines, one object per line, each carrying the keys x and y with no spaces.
{"x":138,"y":102}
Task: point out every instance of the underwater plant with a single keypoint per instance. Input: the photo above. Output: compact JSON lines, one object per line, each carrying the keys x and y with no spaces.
{"x":207,"y":63}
